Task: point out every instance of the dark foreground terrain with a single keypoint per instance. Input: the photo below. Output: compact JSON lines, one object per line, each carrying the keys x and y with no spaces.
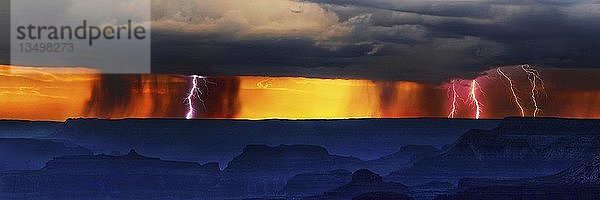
{"x":515,"y":158}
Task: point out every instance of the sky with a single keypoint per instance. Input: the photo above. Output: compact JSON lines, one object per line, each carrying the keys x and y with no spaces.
{"x":34,"y":93}
{"x":296,"y":59}
{"x":427,"y":41}
{"x":415,"y":40}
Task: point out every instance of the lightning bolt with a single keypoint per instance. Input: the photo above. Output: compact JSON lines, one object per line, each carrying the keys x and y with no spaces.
{"x":475,"y":100}
{"x":533,"y":76}
{"x":195,"y":92}
{"x":454,"y":96}
{"x":514,"y":93}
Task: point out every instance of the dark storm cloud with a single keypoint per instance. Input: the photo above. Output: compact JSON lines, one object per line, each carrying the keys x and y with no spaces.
{"x":547,"y":33}
{"x":426,"y":41}
{"x":419,"y":40}
{"x":264,"y":57}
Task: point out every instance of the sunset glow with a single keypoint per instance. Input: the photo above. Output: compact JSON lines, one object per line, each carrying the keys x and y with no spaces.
{"x":59,"y":94}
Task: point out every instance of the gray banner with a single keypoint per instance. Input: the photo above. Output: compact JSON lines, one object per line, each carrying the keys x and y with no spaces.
{"x":4,"y":31}
{"x":109,"y":36}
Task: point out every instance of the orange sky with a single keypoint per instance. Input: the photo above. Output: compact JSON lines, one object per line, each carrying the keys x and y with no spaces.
{"x":59,"y":94}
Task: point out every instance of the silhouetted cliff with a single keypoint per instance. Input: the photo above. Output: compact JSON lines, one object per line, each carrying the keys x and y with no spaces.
{"x":103,"y":176}
{"x":406,"y":157}
{"x":309,"y":184}
{"x":518,"y":148}
{"x":581,"y":182}
{"x":220,"y":140}
{"x":30,"y":154}
{"x":265,"y":170}
{"x":364,"y":182}
{"x":27,"y":129}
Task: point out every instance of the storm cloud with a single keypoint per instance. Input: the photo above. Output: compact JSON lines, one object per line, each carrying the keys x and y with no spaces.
{"x":426,"y":41}
{"x":415,"y":40}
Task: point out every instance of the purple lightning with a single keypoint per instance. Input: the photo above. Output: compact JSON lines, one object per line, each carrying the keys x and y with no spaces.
{"x":454,"y":96}
{"x":473,"y":96}
{"x":514,"y":93}
{"x":533,"y":75}
{"x":195,"y":92}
